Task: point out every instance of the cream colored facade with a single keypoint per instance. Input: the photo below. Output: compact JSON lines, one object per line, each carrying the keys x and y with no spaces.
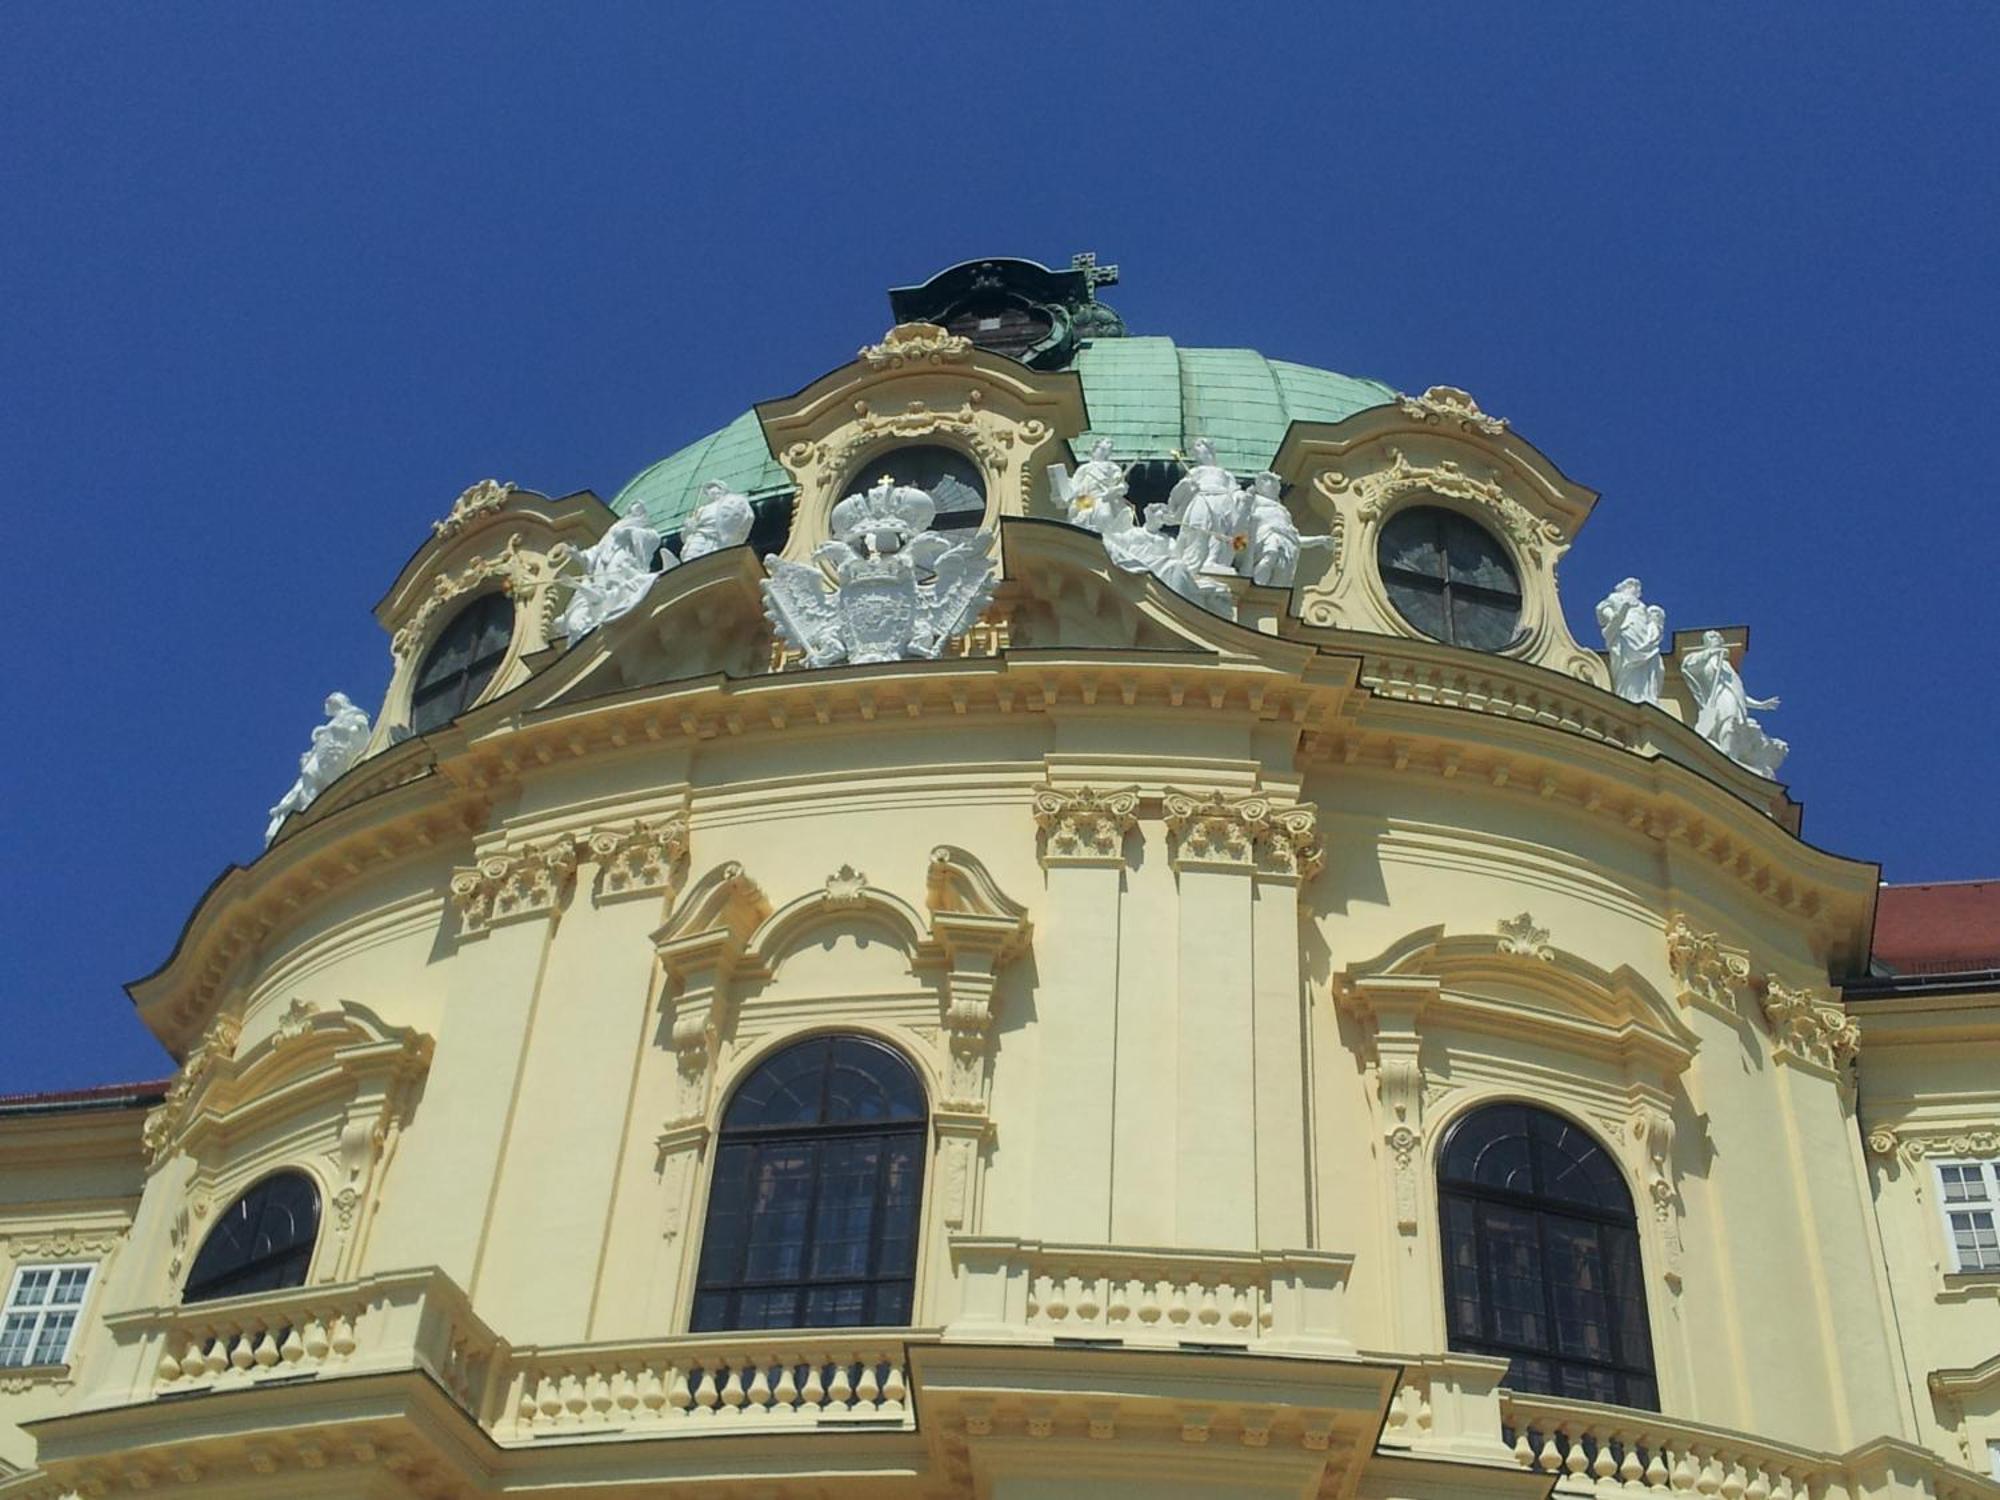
{"x":1201,"y":934}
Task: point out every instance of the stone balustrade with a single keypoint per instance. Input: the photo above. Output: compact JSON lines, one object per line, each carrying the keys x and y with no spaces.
{"x":709,"y":1383}
{"x":1030,"y":1288}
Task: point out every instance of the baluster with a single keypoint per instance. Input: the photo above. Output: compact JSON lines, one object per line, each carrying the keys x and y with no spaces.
{"x":1630,"y":1470}
{"x":168,"y":1370}
{"x":575,"y":1399}
{"x":1781,"y":1485}
{"x":1055,"y":1306}
{"x":652,"y":1394}
{"x":1150,"y":1308}
{"x":1178,"y":1311}
{"x":1523,"y":1454}
{"x":340,"y":1340}
{"x":1576,"y":1461}
{"x":1210,"y":1314}
{"x":1656,"y":1467}
{"x":293,"y":1349}
{"x":841,"y":1391}
{"x":242,"y":1353}
{"x":1732,"y":1482}
{"x":786,"y":1395}
{"x":867,"y":1388}
{"x":704,"y":1393}
{"x":1036,"y":1292}
{"x":1708,"y":1477}
{"x":600,"y":1396}
{"x":1604,"y":1466}
{"x":894,"y":1392}
{"x":266,"y":1351}
{"x":815,"y":1392}
{"x":1118,"y":1306}
{"x":679,"y":1397}
{"x":1550,"y":1459}
{"x":732,"y":1388}
{"x":627,"y":1394}
{"x":1759,"y":1487}
{"x":548,"y":1406}
{"x":1240,"y":1313}
{"x":758,"y":1397}
{"x":314,"y":1337}
{"x":1088,"y":1303}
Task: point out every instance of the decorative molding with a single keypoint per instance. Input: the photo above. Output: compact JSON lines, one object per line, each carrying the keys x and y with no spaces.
{"x":916,"y":344}
{"x":519,"y":881}
{"x":980,"y":930}
{"x":1653,"y":1129}
{"x":846,"y":889}
{"x":1214,"y":831}
{"x":638,"y":858}
{"x":990,"y":439}
{"x":1912,"y":1143}
{"x":1451,"y":406}
{"x":217,"y":1046}
{"x":1520,"y":937}
{"x":519,"y":572}
{"x":1708,"y":975}
{"x":1084,"y":826}
{"x":700,"y":946}
{"x":1378,"y":489}
{"x":295,"y":1023}
{"x":1807,"y":1026}
{"x":67,"y":1243}
{"x":480,"y":499}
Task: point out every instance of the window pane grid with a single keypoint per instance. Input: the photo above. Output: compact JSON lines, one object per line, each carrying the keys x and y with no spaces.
{"x":41,"y":1314}
{"x":1969,"y":1197}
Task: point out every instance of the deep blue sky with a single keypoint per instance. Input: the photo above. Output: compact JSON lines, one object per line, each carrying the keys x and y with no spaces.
{"x":280,"y":281}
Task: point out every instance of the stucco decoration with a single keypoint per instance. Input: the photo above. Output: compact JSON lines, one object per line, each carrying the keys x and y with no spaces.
{"x":1709,"y":975}
{"x":1215,"y":831}
{"x":916,"y":344}
{"x":903,"y":591}
{"x":1725,"y":705}
{"x":1633,"y":631}
{"x":1913,"y":1142}
{"x":521,"y":572}
{"x":1085,"y":826}
{"x":617,"y":571}
{"x":1521,"y":937}
{"x":518,"y":881}
{"x":1653,"y":1130}
{"x":638,"y":857}
{"x":478,"y":500}
{"x":1379,"y":489}
{"x":1449,"y":405}
{"x":336,"y":746}
{"x":722,"y":519}
{"x":1808,"y":1026}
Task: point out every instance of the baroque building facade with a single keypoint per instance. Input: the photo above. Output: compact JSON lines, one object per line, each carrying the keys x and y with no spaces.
{"x":1287,"y":1029}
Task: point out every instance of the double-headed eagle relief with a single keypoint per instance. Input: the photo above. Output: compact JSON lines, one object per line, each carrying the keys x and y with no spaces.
{"x":902,"y":590}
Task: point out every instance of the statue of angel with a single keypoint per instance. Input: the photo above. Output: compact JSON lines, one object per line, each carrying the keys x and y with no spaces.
{"x":1213,"y":513}
{"x":617,"y":571}
{"x":723,"y":519}
{"x":1633,"y":631}
{"x":1275,"y":543}
{"x":1093,"y":497}
{"x":1724,"y":720}
{"x":336,"y":746}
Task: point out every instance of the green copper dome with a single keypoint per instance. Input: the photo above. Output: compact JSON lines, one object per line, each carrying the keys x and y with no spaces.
{"x":1150,"y":397}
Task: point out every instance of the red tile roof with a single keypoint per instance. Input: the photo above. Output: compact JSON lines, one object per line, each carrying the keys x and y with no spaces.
{"x":107,"y":1095}
{"x":1951,"y":927}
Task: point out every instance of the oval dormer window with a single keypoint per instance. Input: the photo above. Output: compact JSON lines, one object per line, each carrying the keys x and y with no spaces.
{"x":1450,"y":578}
{"x":457,"y":669}
{"x":946,"y":475}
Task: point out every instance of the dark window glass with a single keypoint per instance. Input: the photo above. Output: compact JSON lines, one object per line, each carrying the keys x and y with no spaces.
{"x":1449,"y":578}
{"x":819,"y":1175}
{"x":951,"y":479}
{"x":463,"y":661}
{"x":1541,"y":1257}
{"x":262,"y":1242}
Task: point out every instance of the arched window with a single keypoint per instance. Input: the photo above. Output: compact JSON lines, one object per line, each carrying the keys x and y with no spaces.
{"x":1541,"y":1257}
{"x":1449,"y":578}
{"x":819,"y":1173}
{"x":951,"y":479}
{"x":456,"y":670}
{"x":263,"y":1241}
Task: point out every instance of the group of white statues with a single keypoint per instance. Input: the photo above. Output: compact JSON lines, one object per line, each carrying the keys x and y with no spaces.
{"x":618,"y":568}
{"x":1227,"y":529}
{"x":1634,"y":631}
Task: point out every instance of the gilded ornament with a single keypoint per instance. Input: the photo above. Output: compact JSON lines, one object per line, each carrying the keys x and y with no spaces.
{"x":478,"y":500}
{"x":1449,"y":405}
{"x":916,"y":344}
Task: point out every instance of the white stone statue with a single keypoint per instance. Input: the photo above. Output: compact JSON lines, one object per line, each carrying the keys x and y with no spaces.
{"x":902,"y":590}
{"x":1725,"y":720}
{"x":723,"y":519}
{"x":1275,"y":543}
{"x":1213,"y":513}
{"x":617,"y":571}
{"x":336,"y":746}
{"x":1633,"y":631}
{"x":1094,"y":497}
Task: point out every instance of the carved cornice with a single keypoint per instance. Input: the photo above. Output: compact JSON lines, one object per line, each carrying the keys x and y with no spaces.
{"x":991,"y":439}
{"x":1085,"y":826}
{"x":1520,"y":937}
{"x":1378,"y":489}
{"x":1451,"y":406}
{"x":1708,"y":975}
{"x":1807,"y":1026}
{"x":68,"y":1243}
{"x":1915,"y":1142}
{"x":640,"y":857}
{"x":481,"y":499}
{"x":916,"y":344}
{"x":1214,"y":831}
{"x":524,"y":881}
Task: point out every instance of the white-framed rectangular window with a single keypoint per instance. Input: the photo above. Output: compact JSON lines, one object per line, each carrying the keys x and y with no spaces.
{"x":41,"y":1312}
{"x":1969,"y":1198}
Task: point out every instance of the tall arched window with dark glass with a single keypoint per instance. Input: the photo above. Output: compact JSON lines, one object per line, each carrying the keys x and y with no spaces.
{"x":951,"y":479}
{"x":819,"y":1175}
{"x":1541,"y":1257}
{"x":1449,"y":578}
{"x":457,"y":669}
{"x":262,"y":1242}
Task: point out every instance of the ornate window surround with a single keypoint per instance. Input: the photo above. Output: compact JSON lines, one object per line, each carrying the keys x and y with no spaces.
{"x":325,"y":1092}
{"x":724,"y":938}
{"x":1439,"y":450}
{"x":1418,"y":1005}
{"x":920,"y":384}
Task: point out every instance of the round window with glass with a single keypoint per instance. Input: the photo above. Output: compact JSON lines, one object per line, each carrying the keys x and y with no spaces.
{"x":1450,"y":578}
